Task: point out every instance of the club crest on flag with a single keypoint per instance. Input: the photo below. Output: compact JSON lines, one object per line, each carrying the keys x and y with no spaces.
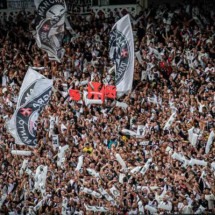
{"x":46,"y":28}
{"x":50,"y":36}
{"x":26,"y":111}
{"x":32,"y":125}
{"x":120,"y":46}
{"x":50,"y":30}
{"x":27,"y":116}
{"x":33,"y":97}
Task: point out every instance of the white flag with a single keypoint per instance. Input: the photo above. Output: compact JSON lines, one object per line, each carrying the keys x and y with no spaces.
{"x":209,"y":142}
{"x":40,"y":178}
{"x":122,"y":53}
{"x":29,"y":82}
{"x":170,"y":121}
{"x":192,"y":137}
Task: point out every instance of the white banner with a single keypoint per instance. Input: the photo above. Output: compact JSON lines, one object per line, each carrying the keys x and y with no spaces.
{"x":122,"y":53}
{"x":91,"y":101}
{"x":140,"y":206}
{"x":136,"y":169}
{"x":21,"y":152}
{"x":191,"y":162}
{"x":24,"y":166}
{"x":209,"y":142}
{"x":95,"y":208}
{"x":40,"y":178}
{"x":91,"y":192}
{"x":146,"y":166}
{"x":106,"y":195}
{"x":114,"y":192}
{"x":121,"y":161}
{"x":93,"y":173}
{"x":170,"y":121}
{"x":141,"y":131}
{"x":129,"y":132}
{"x":64,"y":206}
{"x":61,"y":155}
{"x":80,"y":163}
{"x":55,"y":141}
{"x":192,"y":137}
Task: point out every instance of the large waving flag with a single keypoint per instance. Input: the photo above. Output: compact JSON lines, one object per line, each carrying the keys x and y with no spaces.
{"x":33,"y":97}
{"x":121,"y":46}
{"x":50,"y":31}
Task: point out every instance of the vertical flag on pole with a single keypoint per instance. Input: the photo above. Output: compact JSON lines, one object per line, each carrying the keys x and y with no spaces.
{"x":121,"y":46}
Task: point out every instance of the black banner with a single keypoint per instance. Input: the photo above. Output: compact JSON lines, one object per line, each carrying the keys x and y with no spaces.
{"x":27,"y":115}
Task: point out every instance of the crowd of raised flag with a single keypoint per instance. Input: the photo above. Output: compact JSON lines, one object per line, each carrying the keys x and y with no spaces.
{"x":109,"y":115}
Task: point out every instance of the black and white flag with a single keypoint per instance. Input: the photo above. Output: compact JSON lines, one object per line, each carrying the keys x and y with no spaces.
{"x":121,"y":46}
{"x":50,"y":8}
{"x":33,"y":97}
{"x":50,"y":31}
{"x":49,"y":37}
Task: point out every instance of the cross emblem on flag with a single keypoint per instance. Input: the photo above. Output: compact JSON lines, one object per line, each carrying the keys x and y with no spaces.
{"x":124,"y":53}
{"x":45,"y":27}
{"x":26,"y":111}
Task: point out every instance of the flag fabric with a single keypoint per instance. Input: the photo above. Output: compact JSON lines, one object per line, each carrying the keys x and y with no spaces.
{"x":141,"y":130}
{"x":110,"y":92}
{"x":50,"y":30}
{"x":209,"y":142}
{"x":75,"y":95}
{"x":49,"y":37}
{"x":50,"y":8}
{"x":192,"y":137}
{"x":28,"y":85}
{"x":33,"y":97}
{"x":95,"y":208}
{"x":40,"y":178}
{"x":121,"y":46}
{"x":96,"y":91}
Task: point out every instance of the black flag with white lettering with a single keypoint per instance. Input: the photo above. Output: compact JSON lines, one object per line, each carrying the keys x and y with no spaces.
{"x":33,"y":97}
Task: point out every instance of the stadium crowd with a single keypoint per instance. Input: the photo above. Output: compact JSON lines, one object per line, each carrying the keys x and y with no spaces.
{"x":167,"y":172}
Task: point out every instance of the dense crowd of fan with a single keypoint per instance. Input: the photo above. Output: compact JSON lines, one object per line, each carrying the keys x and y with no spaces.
{"x":174,"y":73}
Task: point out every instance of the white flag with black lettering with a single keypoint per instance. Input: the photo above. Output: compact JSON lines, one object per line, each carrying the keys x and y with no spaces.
{"x":121,"y":46}
{"x":33,"y":97}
